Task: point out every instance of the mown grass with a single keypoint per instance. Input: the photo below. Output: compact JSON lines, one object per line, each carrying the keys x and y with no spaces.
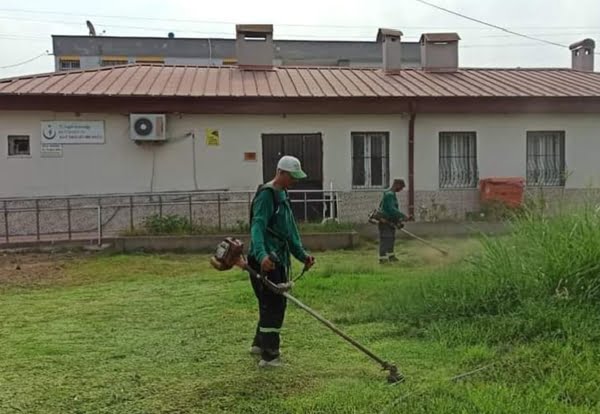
{"x":165,"y":334}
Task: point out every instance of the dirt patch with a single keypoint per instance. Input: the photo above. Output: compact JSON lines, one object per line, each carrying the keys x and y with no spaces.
{"x":18,"y":269}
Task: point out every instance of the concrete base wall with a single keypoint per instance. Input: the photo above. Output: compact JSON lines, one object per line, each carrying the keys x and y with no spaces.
{"x":354,"y":207}
{"x":312,"y":242}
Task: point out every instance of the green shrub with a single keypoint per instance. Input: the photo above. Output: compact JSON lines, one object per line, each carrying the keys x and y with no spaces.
{"x":516,"y":288}
{"x":167,"y":224}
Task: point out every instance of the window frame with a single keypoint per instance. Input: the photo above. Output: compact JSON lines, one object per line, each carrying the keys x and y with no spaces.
{"x":9,"y":142}
{"x":62,"y":61}
{"x":562,"y":138}
{"x":367,"y":156}
{"x":471,"y":161}
{"x":113,"y":62}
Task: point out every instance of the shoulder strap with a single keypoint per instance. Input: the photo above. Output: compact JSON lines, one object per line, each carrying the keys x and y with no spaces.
{"x":276,"y":202}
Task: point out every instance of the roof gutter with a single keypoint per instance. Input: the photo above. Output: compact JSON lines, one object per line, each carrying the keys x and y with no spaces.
{"x":411,"y":161}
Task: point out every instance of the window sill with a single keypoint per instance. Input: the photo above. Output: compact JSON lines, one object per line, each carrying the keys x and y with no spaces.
{"x":10,"y":157}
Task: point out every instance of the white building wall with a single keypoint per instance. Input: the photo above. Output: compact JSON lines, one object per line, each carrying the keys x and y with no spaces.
{"x":501,"y":145}
{"x":121,"y":166}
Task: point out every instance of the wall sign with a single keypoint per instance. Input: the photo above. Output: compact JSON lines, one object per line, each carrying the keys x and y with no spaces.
{"x":51,"y":151}
{"x":73,"y":132}
{"x":212,"y":137}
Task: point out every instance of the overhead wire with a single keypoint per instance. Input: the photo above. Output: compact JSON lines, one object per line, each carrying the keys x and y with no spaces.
{"x":283,"y":24}
{"x":504,"y":29}
{"x":26,"y":61}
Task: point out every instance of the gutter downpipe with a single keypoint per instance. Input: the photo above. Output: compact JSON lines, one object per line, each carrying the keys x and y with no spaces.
{"x":411,"y":161}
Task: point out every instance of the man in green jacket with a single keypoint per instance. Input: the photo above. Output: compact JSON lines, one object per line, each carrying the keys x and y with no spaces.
{"x":273,"y":230}
{"x":390,"y":210}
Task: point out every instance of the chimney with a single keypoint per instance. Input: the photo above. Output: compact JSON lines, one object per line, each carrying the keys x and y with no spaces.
{"x":254,"y":45}
{"x":439,"y":52}
{"x":391,"y":49}
{"x":582,"y":55}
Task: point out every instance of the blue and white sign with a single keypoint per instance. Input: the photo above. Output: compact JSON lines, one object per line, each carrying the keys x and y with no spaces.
{"x":73,"y":132}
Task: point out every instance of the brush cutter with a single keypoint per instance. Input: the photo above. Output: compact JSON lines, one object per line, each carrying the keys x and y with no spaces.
{"x":375,"y":218}
{"x":230,"y":254}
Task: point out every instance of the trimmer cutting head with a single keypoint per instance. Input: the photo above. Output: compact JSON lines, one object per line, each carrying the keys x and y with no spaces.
{"x":394,"y":376}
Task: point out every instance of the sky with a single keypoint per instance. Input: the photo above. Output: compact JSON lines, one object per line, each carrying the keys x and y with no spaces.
{"x":26,"y":26}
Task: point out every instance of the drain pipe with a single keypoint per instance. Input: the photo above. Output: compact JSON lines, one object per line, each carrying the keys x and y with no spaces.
{"x":411,"y":161}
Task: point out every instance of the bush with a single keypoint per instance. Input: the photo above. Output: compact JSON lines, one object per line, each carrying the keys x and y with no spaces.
{"x":168,"y":224}
{"x":177,"y":224}
{"x":547,"y":266}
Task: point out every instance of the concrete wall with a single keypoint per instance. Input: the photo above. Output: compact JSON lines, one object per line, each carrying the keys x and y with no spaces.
{"x":121,"y":166}
{"x":288,"y":52}
{"x":501,"y":145}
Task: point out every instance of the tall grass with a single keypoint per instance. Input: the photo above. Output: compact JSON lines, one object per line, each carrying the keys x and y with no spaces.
{"x":540,"y":280}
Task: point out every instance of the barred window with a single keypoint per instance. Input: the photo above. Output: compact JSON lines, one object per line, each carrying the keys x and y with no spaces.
{"x":458,"y":160}
{"x":546,"y":158}
{"x":370,"y":159}
{"x":113,"y":62}
{"x":69,"y":64}
{"x":18,"y":146}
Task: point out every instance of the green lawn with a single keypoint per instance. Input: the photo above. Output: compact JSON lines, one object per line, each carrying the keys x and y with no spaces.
{"x":167,"y":334}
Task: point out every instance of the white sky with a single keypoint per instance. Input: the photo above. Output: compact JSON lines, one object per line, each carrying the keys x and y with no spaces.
{"x":26,"y":26}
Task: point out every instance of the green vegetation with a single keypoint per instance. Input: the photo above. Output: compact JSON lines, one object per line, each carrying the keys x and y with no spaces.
{"x":166,"y":334}
{"x":174,"y":224}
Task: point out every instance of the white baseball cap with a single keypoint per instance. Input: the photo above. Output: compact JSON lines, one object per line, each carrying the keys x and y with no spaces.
{"x":291,"y":165}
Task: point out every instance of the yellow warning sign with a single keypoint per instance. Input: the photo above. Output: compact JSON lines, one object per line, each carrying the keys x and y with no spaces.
{"x":212,"y":137}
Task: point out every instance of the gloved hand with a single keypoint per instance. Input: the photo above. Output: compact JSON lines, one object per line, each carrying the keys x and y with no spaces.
{"x":309,"y":262}
{"x":267,"y":264}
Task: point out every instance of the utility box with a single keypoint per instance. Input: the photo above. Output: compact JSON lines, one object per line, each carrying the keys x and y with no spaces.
{"x":508,"y":190}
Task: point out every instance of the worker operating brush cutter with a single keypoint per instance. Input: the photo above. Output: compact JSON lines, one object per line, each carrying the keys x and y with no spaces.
{"x":273,"y":230}
{"x":274,"y":239}
{"x":389,"y":218}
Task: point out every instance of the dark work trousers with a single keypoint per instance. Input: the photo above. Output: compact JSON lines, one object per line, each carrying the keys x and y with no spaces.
{"x":387,"y":239}
{"x":271,"y":311}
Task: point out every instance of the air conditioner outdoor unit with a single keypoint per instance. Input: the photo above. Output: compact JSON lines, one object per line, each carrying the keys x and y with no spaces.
{"x":147,"y":127}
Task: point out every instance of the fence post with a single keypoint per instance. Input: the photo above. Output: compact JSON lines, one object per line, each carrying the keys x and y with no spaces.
{"x":37,"y":219}
{"x":131,"y":226}
{"x":99,"y":224}
{"x":219,"y":208}
{"x":305,"y":208}
{"x":249,"y":205}
{"x":190,"y":209}
{"x":6,"y":223}
{"x":160,"y":206}
{"x":70,"y":230}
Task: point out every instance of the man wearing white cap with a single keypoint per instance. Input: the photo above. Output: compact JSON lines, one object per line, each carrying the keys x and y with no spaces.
{"x":273,"y":230}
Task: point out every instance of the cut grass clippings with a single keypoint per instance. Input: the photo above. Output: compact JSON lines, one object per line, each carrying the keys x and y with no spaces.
{"x":167,"y":334}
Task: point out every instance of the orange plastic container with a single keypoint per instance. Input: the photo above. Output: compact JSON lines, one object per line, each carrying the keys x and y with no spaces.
{"x":508,"y":190}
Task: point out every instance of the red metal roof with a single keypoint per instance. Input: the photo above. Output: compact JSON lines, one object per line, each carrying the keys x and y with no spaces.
{"x":143,"y":80}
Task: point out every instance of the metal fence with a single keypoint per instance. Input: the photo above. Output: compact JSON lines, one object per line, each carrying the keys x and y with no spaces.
{"x":99,"y":216}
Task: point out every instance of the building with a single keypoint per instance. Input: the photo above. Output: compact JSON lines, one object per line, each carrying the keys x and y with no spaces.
{"x":89,"y":52}
{"x":441,"y":126}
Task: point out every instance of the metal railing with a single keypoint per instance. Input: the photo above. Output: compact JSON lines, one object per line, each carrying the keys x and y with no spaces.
{"x":197,"y":206}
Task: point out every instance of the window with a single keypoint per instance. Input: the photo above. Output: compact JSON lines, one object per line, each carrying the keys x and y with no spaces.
{"x":150,"y":59}
{"x":69,"y":64}
{"x":370,"y":159}
{"x":113,"y":62}
{"x":546,"y":158}
{"x":18,"y":146}
{"x":458,"y":160}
